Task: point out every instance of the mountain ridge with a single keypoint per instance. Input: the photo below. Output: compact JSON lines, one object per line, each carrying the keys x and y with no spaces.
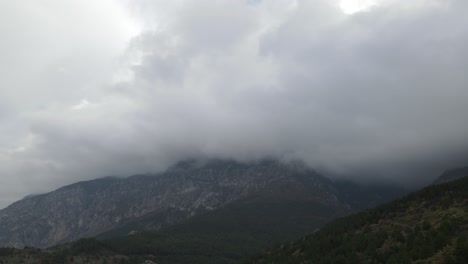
{"x":427,"y":221}
{"x":91,"y":207}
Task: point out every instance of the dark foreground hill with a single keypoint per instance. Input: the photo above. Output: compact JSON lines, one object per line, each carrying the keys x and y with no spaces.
{"x":429,"y":226}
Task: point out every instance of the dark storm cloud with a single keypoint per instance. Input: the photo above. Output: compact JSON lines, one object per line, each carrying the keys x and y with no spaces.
{"x":379,"y":94}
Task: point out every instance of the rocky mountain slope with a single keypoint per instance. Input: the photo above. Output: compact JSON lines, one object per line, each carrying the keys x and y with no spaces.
{"x":187,"y":189}
{"x":429,"y":226}
{"x":118,"y":206}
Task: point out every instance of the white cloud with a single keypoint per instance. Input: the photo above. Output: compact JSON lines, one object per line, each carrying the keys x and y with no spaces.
{"x":82,"y":105}
{"x":354,"y":6}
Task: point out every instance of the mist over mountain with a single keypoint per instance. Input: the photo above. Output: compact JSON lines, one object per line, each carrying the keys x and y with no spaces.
{"x":205,"y":131}
{"x":363,"y":90}
{"x":451,"y":175}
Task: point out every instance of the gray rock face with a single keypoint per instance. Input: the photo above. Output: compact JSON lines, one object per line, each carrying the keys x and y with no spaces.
{"x":187,"y":189}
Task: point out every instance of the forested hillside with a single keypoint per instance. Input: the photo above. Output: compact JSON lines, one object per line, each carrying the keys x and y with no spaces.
{"x":429,"y":226}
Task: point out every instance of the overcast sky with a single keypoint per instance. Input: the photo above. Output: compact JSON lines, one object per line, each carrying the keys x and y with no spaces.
{"x":112,"y":87}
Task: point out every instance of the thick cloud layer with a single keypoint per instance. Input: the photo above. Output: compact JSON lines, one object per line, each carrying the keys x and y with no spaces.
{"x":376,"y":95}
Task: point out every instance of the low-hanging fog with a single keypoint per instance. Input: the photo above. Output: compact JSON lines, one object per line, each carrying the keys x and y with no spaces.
{"x":113,"y":87}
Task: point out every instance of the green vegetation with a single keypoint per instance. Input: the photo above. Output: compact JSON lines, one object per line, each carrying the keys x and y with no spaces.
{"x":429,"y":226}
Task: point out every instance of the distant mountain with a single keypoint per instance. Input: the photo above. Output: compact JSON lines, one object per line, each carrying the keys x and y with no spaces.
{"x":429,"y":226}
{"x":451,"y":175}
{"x":360,"y":197}
{"x":187,"y":189}
{"x":120,"y":206}
{"x":293,"y":201}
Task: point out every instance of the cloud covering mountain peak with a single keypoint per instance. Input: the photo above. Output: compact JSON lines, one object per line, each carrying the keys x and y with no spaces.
{"x":378,"y":94}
